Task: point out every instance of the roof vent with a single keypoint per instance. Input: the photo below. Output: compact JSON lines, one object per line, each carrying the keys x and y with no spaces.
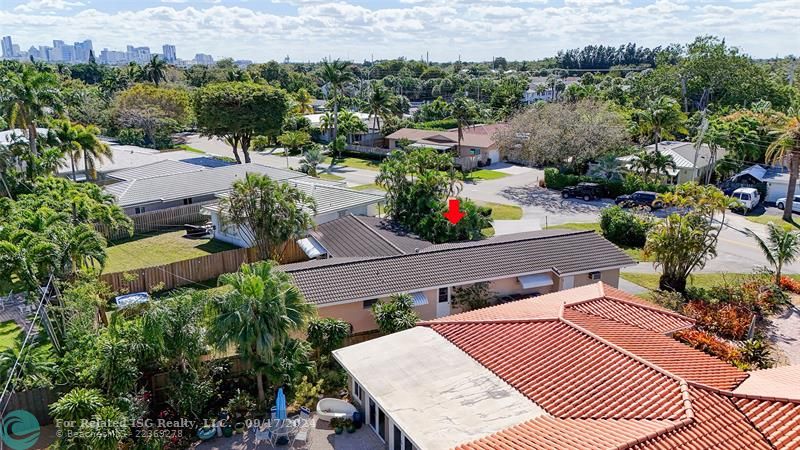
{"x":416,"y":250}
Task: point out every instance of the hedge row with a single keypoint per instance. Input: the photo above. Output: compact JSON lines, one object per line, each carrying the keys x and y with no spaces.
{"x":554,"y":179}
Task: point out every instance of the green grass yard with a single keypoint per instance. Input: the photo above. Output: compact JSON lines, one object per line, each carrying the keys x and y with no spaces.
{"x":699,"y":280}
{"x":155,"y":250}
{"x":485,"y":174}
{"x":633,"y":252}
{"x":329,"y":177}
{"x":356,"y":163}
{"x":777,"y":220}
{"x":9,"y":332}
{"x":188,"y":148}
{"x":367,"y":187}
{"x":502,"y":211}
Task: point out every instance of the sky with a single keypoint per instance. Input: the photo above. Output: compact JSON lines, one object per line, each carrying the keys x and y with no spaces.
{"x":475,"y":30}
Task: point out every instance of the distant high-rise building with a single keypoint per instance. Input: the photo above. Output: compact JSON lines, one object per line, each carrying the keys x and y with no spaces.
{"x":82,"y":50}
{"x":8,"y":47}
{"x":140,"y":55}
{"x":169,"y":53}
{"x":202,"y":58}
{"x":34,"y":53}
{"x":113,"y":57}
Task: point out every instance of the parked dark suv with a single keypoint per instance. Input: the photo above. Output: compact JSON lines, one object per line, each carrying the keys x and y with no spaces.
{"x":586,"y":191}
{"x":640,"y":198}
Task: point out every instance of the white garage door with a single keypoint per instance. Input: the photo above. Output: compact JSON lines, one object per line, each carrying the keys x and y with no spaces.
{"x":494,"y":155}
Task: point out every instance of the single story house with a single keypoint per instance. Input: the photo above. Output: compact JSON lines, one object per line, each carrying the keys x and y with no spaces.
{"x":775,"y":178}
{"x":333,"y":202}
{"x":475,"y":146}
{"x":528,"y":264}
{"x":178,"y":185}
{"x":691,"y":164}
{"x":372,"y":134}
{"x":585,"y":368}
{"x":542,"y":89}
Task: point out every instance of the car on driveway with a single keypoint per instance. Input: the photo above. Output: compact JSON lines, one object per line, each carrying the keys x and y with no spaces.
{"x":641,"y":199}
{"x":748,"y":199}
{"x":781,"y":203}
{"x":586,"y":191}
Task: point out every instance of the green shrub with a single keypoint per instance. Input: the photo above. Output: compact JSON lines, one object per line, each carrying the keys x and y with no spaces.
{"x":555,"y":179}
{"x":131,"y":136}
{"x":755,"y":352}
{"x":443,"y":124}
{"x":625,"y":228}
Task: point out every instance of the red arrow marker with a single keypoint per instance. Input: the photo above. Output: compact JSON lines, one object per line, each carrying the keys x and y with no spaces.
{"x":453,"y":214}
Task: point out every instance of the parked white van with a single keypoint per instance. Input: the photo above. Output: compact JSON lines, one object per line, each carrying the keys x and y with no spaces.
{"x":748,"y":198}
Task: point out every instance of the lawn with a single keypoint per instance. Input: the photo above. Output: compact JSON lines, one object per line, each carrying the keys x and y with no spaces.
{"x":502,"y":211}
{"x":777,"y":220}
{"x":367,"y":187}
{"x":9,"y":332}
{"x":356,"y":163}
{"x":699,"y":280}
{"x":188,"y":148}
{"x":155,"y":250}
{"x":485,"y":174}
{"x":329,"y":177}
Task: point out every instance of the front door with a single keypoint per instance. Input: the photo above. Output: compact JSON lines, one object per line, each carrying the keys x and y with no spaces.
{"x":443,"y":303}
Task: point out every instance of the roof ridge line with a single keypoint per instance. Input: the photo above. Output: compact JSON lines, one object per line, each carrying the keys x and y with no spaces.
{"x":740,"y":395}
{"x":650,"y":436}
{"x":651,"y":308}
{"x":428,"y":323}
{"x":684,"y":386}
{"x":377,"y":234}
{"x":447,"y":249}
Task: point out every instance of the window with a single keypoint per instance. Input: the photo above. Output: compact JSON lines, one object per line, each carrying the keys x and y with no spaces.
{"x":357,"y":391}
{"x":443,"y":295}
{"x":368,"y":303}
{"x":475,"y":151}
{"x":372,"y":418}
{"x":407,"y":444}
{"x":187,"y":201}
{"x":398,"y":438}
{"x":382,"y":424}
{"x":139,"y":210}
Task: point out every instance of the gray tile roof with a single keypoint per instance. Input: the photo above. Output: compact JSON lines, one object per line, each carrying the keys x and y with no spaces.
{"x":190,"y":184}
{"x":332,"y":198}
{"x":332,"y":280}
{"x":156,"y":169}
{"x":354,"y":236}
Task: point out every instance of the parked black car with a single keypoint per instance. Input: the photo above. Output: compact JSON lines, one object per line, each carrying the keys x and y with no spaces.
{"x":586,"y":191}
{"x":640,"y":198}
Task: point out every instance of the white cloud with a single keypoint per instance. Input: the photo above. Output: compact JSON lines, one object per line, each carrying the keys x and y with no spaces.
{"x":45,"y":6}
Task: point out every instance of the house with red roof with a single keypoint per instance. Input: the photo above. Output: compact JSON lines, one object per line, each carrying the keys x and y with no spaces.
{"x":587,"y":368}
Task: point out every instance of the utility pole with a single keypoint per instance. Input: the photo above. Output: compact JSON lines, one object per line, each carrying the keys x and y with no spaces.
{"x":699,"y":142}
{"x":683,"y":94}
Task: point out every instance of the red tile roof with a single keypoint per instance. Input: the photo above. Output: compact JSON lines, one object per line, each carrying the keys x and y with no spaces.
{"x":602,"y":366}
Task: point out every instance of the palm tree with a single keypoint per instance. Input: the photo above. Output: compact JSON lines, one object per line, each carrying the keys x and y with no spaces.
{"x":312,"y":158}
{"x":351,"y":124}
{"x":607,"y":167}
{"x":336,"y":74}
{"x":662,"y":163}
{"x":76,"y":140}
{"x":781,"y":247}
{"x":642,"y":162}
{"x":302,"y":101}
{"x":661,"y":118}
{"x":380,"y":104}
{"x":787,"y":145}
{"x":155,"y":70}
{"x":93,"y":149}
{"x":260,"y":312}
{"x":27,"y":97}
{"x":463,"y":112}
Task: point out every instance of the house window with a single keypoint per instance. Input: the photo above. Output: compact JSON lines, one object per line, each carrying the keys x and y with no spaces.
{"x":138,"y":210}
{"x":372,"y":418}
{"x":357,"y":390}
{"x":368,"y":303}
{"x":407,"y":444}
{"x":474,"y":151}
{"x":187,"y":201}
{"x":398,"y":438}
{"x":443,"y":295}
{"x":382,"y":424}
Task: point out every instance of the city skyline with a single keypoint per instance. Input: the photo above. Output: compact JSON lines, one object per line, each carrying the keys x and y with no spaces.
{"x":309,"y":30}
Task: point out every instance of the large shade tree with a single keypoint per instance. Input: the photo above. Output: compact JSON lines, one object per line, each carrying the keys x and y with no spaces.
{"x":258,"y":314}
{"x":238,"y":111}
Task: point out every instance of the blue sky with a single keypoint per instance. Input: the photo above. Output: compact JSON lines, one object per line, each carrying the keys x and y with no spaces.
{"x":360,"y":29}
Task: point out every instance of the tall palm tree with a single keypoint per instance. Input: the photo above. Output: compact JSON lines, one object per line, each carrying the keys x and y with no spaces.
{"x":463,"y":111}
{"x":781,"y":247}
{"x":66,"y":135}
{"x":787,"y":146}
{"x":302,"y":101}
{"x":336,"y":74}
{"x":661,"y":118}
{"x":155,"y":70}
{"x":312,"y":158}
{"x":380,"y":104}
{"x":260,"y":312}
{"x":27,"y":97}
{"x":662,"y":163}
{"x":77,"y":141}
{"x":93,"y":149}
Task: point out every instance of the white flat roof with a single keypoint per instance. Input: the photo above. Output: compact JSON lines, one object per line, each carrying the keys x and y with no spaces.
{"x":436,"y":394}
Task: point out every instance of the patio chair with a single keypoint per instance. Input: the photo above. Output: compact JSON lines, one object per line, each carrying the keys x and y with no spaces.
{"x":302,"y":433}
{"x":264,"y":436}
{"x":305,"y":413}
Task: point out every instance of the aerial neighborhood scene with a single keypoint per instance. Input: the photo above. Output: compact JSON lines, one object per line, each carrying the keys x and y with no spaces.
{"x":401,"y":225}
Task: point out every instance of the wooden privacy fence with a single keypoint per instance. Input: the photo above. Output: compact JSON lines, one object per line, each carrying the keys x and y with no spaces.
{"x":194,"y":270}
{"x":35,"y":401}
{"x":159,"y":220}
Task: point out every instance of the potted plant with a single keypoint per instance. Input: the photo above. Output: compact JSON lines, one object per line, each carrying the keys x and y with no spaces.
{"x":241,"y":404}
{"x":206,"y":432}
{"x":337,"y":424}
{"x":349,"y":426}
{"x":239,"y":428}
{"x":227,"y":429}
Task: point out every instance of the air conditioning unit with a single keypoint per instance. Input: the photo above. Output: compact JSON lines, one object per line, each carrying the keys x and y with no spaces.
{"x":594,"y":275}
